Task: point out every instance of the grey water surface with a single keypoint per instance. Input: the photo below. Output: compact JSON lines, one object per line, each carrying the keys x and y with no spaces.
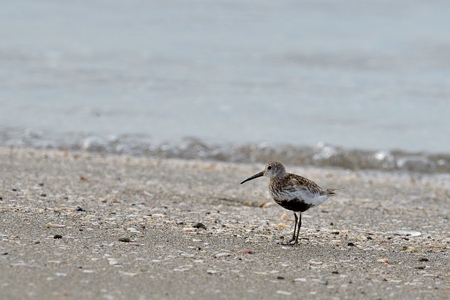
{"x":348,"y":83}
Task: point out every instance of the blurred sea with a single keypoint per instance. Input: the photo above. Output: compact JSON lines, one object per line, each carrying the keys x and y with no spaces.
{"x":354,"y":84}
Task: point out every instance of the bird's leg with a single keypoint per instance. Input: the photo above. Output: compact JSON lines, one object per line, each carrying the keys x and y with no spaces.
{"x":299,"y":226}
{"x":295,"y":229}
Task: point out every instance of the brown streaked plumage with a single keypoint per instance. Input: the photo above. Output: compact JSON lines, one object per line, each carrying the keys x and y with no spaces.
{"x":293,"y":192}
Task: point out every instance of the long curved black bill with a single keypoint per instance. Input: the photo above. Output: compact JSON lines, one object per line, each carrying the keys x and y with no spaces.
{"x":260,"y":174}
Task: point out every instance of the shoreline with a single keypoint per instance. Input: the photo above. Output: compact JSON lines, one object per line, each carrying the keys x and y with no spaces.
{"x":121,"y":227}
{"x":322,"y":155}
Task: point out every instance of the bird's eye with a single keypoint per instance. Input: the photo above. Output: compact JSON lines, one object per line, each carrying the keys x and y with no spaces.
{"x":269,"y":167}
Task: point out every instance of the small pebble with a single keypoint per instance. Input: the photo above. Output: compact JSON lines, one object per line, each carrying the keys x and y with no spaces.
{"x":128,"y":273}
{"x":247,"y":251}
{"x":351,"y":244}
{"x":112,"y":261}
{"x":282,"y":225}
{"x":124,"y":240}
{"x":408,"y":233}
{"x":43,"y":195}
{"x":48,"y":225}
{"x":223,"y":254}
{"x":284,"y":293}
{"x":284,"y":217}
{"x":200,"y":226}
{"x":158,"y":215}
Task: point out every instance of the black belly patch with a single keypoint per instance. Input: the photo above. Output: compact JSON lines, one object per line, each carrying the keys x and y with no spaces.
{"x":294,"y":204}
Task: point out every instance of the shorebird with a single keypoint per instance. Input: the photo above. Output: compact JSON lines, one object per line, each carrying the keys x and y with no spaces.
{"x":293,"y":192}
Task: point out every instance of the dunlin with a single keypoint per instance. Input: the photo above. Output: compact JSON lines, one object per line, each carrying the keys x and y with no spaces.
{"x":293,"y":192}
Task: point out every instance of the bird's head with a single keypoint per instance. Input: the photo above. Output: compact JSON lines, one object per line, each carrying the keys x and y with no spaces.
{"x":273,"y":169}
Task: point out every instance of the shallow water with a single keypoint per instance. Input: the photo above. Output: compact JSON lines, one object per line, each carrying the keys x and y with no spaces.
{"x":321,"y":155}
{"x":243,"y":78}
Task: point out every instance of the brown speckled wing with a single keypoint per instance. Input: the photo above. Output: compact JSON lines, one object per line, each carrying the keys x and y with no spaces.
{"x":305,"y":183}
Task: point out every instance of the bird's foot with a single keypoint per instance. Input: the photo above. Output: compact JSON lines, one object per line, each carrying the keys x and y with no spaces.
{"x":292,"y":242}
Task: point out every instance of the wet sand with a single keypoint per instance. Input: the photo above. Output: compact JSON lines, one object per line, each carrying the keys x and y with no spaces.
{"x":78,"y":225}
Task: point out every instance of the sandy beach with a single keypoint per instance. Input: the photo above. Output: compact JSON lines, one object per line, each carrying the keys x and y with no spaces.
{"x":92,"y":226}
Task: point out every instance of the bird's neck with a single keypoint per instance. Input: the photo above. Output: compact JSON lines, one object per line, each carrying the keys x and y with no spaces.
{"x":279,"y":178}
